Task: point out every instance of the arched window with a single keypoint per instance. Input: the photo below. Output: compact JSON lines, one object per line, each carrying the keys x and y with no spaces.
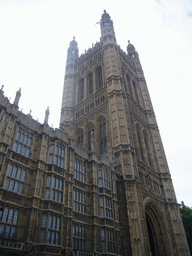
{"x":8,"y":227}
{"x":139,"y":142}
{"x":81,"y":90}
{"x":129,"y":86}
{"x":135,"y":92}
{"x":79,"y":137}
{"x":90,"y":83}
{"x":99,"y":78}
{"x":147,"y":146}
{"x":103,"y":137}
{"x":90,"y":137}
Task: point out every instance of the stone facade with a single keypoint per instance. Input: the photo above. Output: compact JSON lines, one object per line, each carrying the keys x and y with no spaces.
{"x":98,"y":185}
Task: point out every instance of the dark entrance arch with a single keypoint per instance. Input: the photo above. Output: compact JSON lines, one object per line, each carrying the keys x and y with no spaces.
{"x":156,"y":228}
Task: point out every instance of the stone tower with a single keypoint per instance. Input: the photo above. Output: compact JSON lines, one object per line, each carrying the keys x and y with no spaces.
{"x":106,"y":109}
{"x":100,"y":184}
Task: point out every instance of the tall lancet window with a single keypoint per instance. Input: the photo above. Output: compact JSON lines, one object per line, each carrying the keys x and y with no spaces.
{"x":81,"y":90}
{"x":140,"y":142}
{"x":90,"y":83}
{"x":79,"y":137}
{"x":129,"y":86}
{"x":90,"y":136}
{"x":103,"y":137}
{"x":99,"y":78}
{"x":135,"y":92}
{"x":147,"y":146}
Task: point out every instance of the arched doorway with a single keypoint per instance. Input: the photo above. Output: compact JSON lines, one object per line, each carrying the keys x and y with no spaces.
{"x":156,"y":228}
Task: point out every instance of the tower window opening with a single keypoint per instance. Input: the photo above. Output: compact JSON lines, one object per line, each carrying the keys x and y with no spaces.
{"x":80,"y":140}
{"x":81,"y":90}
{"x":103,"y":138}
{"x":90,"y":137}
{"x":147,"y":146}
{"x":135,"y":92}
{"x":139,"y":142}
{"x":90,"y":83}
{"x":99,"y":78}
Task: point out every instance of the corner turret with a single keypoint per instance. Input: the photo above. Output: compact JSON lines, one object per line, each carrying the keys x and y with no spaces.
{"x":107,"y":30}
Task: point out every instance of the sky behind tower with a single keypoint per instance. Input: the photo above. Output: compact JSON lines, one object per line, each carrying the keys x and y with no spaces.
{"x":35,"y":35}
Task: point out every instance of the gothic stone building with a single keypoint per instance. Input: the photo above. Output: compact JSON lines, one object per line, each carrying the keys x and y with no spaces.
{"x":98,"y":185}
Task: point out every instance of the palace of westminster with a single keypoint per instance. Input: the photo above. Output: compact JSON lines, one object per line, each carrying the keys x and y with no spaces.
{"x":98,"y":185}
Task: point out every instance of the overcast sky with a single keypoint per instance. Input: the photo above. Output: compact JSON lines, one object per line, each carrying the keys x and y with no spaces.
{"x":35,"y":35}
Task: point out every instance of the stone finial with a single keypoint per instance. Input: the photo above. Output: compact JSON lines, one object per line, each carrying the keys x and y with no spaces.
{"x":131,"y":50}
{"x":46,"y":116}
{"x":1,"y":90}
{"x":17,"y":97}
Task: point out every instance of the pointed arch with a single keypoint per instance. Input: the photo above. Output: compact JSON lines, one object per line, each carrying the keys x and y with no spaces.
{"x":79,"y":136}
{"x":90,"y":83}
{"x":90,"y":134}
{"x":129,"y":86}
{"x":156,"y":228}
{"x":148,"y":147}
{"x":139,"y":139}
{"x":135,"y":92}
{"x":81,"y":90}
{"x":102,"y":134}
{"x":99,"y":78}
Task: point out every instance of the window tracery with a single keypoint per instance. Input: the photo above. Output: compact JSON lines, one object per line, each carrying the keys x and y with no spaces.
{"x":8,"y":222}
{"x":23,"y":143}
{"x":15,"y":179}
{"x":50,"y":229}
